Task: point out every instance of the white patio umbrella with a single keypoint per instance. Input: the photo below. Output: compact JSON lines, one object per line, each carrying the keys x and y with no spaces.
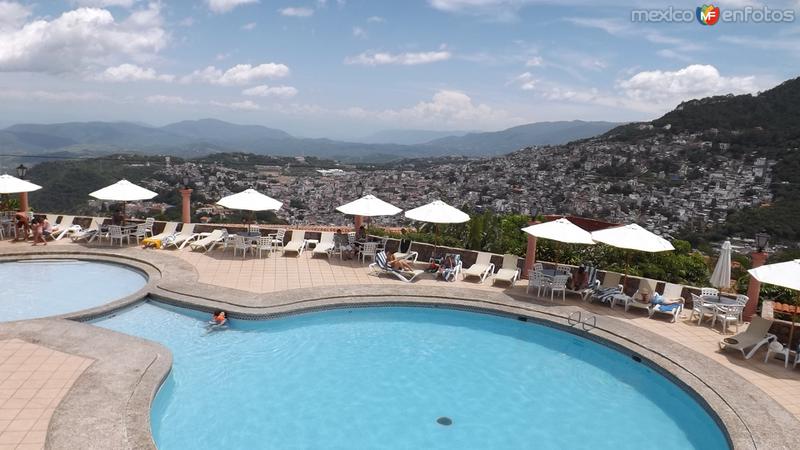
{"x":561,"y":230}
{"x":250,"y":200}
{"x":721,"y":277}
{"x":14,"y":185}
{"x":437,"y":212}
{"x":369,"y":206}
{"x":784,"y":274}
{"x":123,"y":191}
{"x":632,"y":237}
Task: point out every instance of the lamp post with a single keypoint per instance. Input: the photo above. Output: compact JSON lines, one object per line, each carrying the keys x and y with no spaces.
{"x":757,"y":258}
{"x":23,"y":196}
{"x":358,"y":220}
{"x":530,"y":254}
{"x":186,"y":198}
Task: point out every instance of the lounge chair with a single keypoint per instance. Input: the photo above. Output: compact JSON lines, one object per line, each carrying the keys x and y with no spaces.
{"x":756,"y":335}
{"x":450,"y":273}
{"x":404,"y":251}
{"x":382,"y":266}
{"x":606,"y":291}
{"x":182,"y":238}
{"x":67,"y":225}
{"x":647,"y":288}
{"x":482,"y":268}
{"x":207,"y":243}
{"x":325,"y":245}
{"x":86,"y":233}
{"x":509,"y":272}
{"x":297,"y":244}
{"x":162,"y":239}
{"x":672,"y":292}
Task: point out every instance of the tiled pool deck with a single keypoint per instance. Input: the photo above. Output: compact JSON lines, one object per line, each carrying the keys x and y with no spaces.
{"x":278,"y":273}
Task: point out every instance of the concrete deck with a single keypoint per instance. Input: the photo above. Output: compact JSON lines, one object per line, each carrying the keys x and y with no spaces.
{"x":280,"y":284}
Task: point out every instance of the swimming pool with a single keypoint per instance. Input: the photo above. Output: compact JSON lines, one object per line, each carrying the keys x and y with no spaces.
{"x":48,"y":287}
{"x":406,"y":377}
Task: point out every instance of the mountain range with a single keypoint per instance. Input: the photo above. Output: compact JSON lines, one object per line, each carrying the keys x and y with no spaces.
{"x":201,"y":137}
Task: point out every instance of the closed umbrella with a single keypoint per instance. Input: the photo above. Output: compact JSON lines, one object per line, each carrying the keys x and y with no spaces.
{"x":721,"y":277}
{"x":632,"y":237}
{"x":13,"y":185}
{"x":437,"y":212}
{"x":784,"y":274}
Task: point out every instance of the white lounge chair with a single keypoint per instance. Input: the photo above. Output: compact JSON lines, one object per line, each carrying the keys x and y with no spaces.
{"x":382,"y":266}
{"x":509,"y":272}
{"x":67,"y":225}
{"x":403,"y":252}
{"x":606,"y":291}
{"x":86,"y":233}
{"x":482,"y":268}
{"x":325,"y":245}
{"x":647,"y":287}
{"x":166,"y":235}
{"x":297,"y":244}
{"x":207,"y":243}
{"x":183,"y":238}
{"x":672,"y":292}
{"x":756,"y":335}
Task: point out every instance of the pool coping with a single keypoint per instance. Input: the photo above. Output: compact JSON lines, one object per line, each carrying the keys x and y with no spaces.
{"x":750,"y":419}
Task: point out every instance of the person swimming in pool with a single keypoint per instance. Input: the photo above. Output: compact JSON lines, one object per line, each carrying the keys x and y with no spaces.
{"x":218,"y":321}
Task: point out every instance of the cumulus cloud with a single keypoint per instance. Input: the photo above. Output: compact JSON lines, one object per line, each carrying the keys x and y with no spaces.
{"x":271,"y":91}
{"x":245,"y":105}
{"x":103,"y":3}
{"x":293,"y":11}
{"x":404,"y":59}
{"x":238,"y":75}
{"x":132,"y":72}
{"x":526,"y":81}
{"x":81,"y":38}
{"x":13,"y":15}
{"x":690,"y":82}
{"x":447,"y":108}
{"x":168,"y":100}
{"x":497,"y":9}
{"x":223,"y":6}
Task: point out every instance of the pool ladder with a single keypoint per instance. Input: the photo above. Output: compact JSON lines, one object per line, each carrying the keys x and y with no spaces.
{"x":587,"y":324}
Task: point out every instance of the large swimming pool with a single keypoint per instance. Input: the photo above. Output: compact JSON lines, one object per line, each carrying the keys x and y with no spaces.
{"x":40,"y":288}
{"x":406,"y":378}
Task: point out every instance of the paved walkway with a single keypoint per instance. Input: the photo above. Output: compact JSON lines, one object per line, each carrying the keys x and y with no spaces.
{"x":277,"y":273}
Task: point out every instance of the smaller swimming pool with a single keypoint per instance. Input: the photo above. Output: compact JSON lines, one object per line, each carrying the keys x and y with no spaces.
{"x":48,"y":287}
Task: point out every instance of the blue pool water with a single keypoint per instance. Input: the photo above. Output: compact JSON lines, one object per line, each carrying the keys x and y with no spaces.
{"x":40,"y":288}
{"x":374,"y":378}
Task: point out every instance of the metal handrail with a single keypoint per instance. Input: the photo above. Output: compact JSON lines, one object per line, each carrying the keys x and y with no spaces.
{"x":585,"y":324}
{"x":573,"y":321}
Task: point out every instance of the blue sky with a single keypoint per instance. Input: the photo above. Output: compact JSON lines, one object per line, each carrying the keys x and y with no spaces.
{"x":347,"y":68}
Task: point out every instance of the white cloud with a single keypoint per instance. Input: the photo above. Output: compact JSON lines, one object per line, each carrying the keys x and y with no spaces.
{"x":168,"y":100}
{"x":52,"y":96}
{"x":359,"y":32}
{"x":535,"y":61}
{"x":293,"y":11}
{"x":82,"y":38}
{"x":103,"y":3}
{"x":239,"y":75}
{"x":497,"y":9}
{"x":245,"y":105}
{"x":375,"y":19}
{"x":526,"y":81}
{"x":132,"y":72}
{"x":690,"y":82}
{"x":271,"y":91}
{"x":405,"y":59}
{"x":447,"y":108}
{"x":223,"y":6}
{"x":13,"y":15}
{"x":249,"y":26}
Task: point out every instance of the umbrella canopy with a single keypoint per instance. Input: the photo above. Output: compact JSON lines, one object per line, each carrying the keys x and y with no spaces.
{"x":632,"y":237}
{"x":561,"y":230}
{"x":785,"y":274}
{"x":721,"y":278}
{"x":123,"y":191}
{"x":250,"y":200}
{"x":13,"y":185}
{"x":369,"y":206}
{"x":437,"y":212}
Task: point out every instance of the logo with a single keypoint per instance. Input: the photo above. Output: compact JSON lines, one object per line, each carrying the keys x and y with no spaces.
{"x":707,"y":14}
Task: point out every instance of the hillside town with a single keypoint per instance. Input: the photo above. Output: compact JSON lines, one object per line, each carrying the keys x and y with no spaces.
{"x":660,"y":182}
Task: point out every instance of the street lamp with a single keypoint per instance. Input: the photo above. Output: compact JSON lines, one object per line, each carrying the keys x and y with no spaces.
{"x":21,"y":171}
{"x":762,"y":239}
{"x":185,"y":182}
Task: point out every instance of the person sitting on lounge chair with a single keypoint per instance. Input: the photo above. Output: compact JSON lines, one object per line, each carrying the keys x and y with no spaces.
{"x":398,"y":264}
{"x":658,"y":299}
{"x":448,"y":267}
{"x":579,"y":280}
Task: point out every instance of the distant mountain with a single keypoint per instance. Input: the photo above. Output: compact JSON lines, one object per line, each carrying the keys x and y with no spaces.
{"x":407,"y":137}
{"x":201,"y":137}
{"x":539,"y":133}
